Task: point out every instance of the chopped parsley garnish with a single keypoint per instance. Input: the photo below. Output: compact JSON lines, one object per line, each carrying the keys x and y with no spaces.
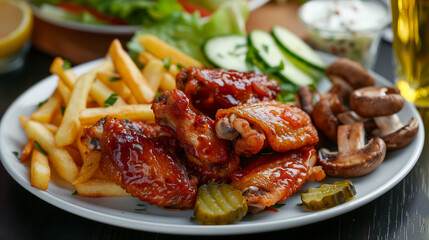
{"x":111,"y":100}
{"x":114,"y":79}
{"x":66,"y":65}
{"x":16,"y":155}
{"x":143,"y":209}
{"x":167,"y":63}
{"x":278,"y":205}
{"x":74,"y":193}
{"x":179,"y":66}
{"x":275,"y":69}
{"x":265,"y":47}
{"x":63,"y":109}
{"x":37,"y":145}
{"x":41,"y":103}
{"x":158,"y":93}
{"x":95,"y":80}
{"x":138,"y":147}
{"x":192,"y":218}
{"x":140,"y":209}
{"x":300,"y":204}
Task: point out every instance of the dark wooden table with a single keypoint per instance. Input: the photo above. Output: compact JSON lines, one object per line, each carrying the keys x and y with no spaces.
{"x":401,"y":213}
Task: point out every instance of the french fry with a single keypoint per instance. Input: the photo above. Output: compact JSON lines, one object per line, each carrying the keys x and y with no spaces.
{"x":144,"y":57}
{"x":114,"y":82}
{"x":64,"y":91}
{"x":45,"y":112}
{"x":100,"y":188}
{"x":130,"y":73}
{"x":153,"y":72}
{"x":51,"y":127}
{"x":173,"y":70}
{"x":100,"y":93}
{"x":58,"y":117}
{"x":89,"y":167}
{"x":67,"y":75}
{"x":167,"y":82}
{"x":40,"y":172}
{"x":75,"y":154}
{"x":141,"y":112}
{"x":132,"y":100}
{"x":70,"y":124}
{"x":164,"y":50}
{"x":59,"y":157}
{"x":26,"y":152}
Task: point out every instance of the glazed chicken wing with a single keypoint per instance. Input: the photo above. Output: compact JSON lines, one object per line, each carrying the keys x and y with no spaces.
{"x":269,"y":179}
{"x":254,"y":126}
{"x":213,"y":89}
{"x":143,"y":166}
{"x":211,"y":157}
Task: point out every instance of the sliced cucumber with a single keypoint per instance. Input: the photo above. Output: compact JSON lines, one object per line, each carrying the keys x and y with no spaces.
{"x":227,"y":52}
{"x":293,"y":46}
{"x":270,"y":55}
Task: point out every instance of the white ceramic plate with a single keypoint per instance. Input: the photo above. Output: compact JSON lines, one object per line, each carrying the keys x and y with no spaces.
{"x":121,"y":211}
{"x":110,"y":29}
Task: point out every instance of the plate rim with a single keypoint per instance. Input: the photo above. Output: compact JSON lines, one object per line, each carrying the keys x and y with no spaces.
{"x":202,"y":229}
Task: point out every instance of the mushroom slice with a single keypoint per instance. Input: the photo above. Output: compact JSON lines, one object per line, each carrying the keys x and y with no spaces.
{"x":353,"y":158}
{"x":394,"y":133}
{"x":325,"y":119}
{"x":376,"y":101}
{"x":382,"y":103}
{"x":347,"y":75}
{"x":351,"y":72}
{"x":350,"y":117}
{"x":304,"y":99}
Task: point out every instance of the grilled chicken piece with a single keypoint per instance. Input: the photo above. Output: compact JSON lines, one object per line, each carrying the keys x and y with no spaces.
{"x":143,"y":166}
{"x":273,"y":178}
{"x":254,"y":126}
{"x":211,"y":157}
{"x":213,"y":89}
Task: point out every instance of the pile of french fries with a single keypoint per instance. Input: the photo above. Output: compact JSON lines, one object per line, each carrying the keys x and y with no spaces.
{"x":115,"y":87}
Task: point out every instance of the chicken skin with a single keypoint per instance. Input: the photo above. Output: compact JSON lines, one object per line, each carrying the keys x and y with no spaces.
{"x":143,"y":166}
{"x":273,"y":178}
{"x":211,"y":157}
{"x":254,"y":126}
{"x":213,"y":89}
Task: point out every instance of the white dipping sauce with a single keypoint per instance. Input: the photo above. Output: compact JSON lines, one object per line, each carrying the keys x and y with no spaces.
{"x":346,"y":28}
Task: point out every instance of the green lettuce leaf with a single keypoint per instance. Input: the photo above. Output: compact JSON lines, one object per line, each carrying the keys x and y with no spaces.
{"x":188,"y":32}
{"x":134,"y":12}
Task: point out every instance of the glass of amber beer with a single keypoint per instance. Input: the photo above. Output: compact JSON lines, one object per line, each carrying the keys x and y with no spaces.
{"x":410,"y":24}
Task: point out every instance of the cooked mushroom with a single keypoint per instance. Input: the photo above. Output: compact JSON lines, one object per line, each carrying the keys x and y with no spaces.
{"x":382,"y":103}
{"x":304,"y":99}
{"x":353,"y":158}
{"x":376,"y":101}
{"x":347,"y":75}
{"x":395,"y":134}
{"x":350,"y":117}
{"x":324,"y":115}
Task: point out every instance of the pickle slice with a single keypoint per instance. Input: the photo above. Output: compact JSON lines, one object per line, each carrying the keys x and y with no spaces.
{"x":218,"y":204}
{"x":328,"y":195}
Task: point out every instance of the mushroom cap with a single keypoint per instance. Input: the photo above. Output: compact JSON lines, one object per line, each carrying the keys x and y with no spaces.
{"x":351,"y":72}
{"x":403,"y":136}
{"x":354,"y":164}
{"x":324,"y":119}
{"x":376,"y":101}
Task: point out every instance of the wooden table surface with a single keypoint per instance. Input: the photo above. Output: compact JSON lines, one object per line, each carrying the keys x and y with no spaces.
{"x":401,"y":213}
